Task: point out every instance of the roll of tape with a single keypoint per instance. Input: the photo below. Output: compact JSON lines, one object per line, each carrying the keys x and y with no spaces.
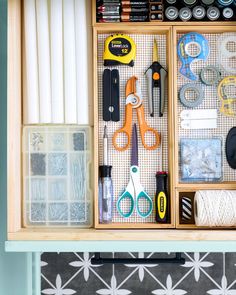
{"x":224,"y":42}
{"x":186,"y":209}
{"x":199,"y":95}
{"x":215,"y":73}
{"x":226,"y":45}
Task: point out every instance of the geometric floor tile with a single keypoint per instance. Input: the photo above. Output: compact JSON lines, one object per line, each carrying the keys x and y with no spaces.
{"x":203,"y":273}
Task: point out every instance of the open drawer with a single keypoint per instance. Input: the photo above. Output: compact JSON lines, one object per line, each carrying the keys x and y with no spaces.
{"x":134,"y":228}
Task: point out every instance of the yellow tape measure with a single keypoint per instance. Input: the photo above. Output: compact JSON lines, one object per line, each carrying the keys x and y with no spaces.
{"x":226,"y":93}
{"x":119,"y":49}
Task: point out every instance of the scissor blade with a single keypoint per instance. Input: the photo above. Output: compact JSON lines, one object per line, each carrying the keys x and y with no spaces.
{"x":134,"y":149}
{"x":155,"y":56}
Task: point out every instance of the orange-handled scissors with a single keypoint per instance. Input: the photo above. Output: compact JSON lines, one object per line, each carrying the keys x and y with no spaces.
{"x":134,"y":101}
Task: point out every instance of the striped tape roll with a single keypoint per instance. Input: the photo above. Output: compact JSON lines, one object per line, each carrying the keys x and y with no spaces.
{"x":186,"y":208}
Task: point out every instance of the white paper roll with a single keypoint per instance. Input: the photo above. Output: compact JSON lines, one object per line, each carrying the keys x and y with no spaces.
{"x":70,"y":62}
{"x":30,"y":92}
{"x":43,"y":61}
{"x":83,"y":59}
{"x":56,"y":29}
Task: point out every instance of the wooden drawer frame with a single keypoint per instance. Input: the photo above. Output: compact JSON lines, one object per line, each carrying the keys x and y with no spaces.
{"x":192,"y":187}
{"x":164,"y":30}
{"x":14,"y":132}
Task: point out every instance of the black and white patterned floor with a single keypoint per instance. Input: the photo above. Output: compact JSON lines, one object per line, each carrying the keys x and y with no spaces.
{"x":203,"y":273}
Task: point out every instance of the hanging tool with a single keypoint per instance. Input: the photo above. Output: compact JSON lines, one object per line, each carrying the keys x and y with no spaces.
{"x":156,"y":77}
{"x":105,"y":185}
{"x":134,"y":100}
{"x":134,"y":192}
{"x":226,"y":52}
{"x":197,"y":92}
{"x":111,"y":95}
{"x":228,"y":99}
{"x":119,"y":49}
{"x":161,"y":197}
{"x":191,"y":48}
{"x":213,"y":78}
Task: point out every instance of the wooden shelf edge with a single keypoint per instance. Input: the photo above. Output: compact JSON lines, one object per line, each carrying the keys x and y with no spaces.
{"x":160,"y":24}
{"x":122,"y":235}
{"x":198,"y":186}
{"x":134,"y":226}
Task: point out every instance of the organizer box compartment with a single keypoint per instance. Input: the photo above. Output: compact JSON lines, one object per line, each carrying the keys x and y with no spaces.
{"x":56,"y":176}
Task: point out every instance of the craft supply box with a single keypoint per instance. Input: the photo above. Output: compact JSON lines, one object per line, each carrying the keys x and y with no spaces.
{"x":167,"y":35}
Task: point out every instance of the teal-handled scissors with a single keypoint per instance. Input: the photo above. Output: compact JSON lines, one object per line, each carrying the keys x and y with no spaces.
{"x":134,"y":191}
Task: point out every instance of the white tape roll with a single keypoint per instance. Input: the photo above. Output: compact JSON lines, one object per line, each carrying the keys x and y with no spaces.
{"x":224,"y":42}
{"x":215,"y":208}
{"x":227,"y":52}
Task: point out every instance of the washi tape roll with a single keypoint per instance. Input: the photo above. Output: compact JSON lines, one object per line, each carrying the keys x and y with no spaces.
{"x":186,"y":209}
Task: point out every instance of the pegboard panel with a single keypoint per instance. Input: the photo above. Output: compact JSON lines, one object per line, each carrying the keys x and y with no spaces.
{"x":211,"y":101}
{"x":149,"y":161}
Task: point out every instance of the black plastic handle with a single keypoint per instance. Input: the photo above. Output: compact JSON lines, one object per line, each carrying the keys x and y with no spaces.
{"x":97,"y":259}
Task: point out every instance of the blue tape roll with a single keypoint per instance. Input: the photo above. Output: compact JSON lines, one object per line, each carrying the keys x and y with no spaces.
{"x":185,"y":56}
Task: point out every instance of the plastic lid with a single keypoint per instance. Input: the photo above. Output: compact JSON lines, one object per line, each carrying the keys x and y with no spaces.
{"x":185,"y":14}
{"x":190,"y":2}
{"x":105,"y":171}
{"x":208,"y":2}
{"x":225,"y":2}
{"x":171,"y":12}
{"x":213,"y":13}
{"x":199,"y":12}
{"x":228,"y":12}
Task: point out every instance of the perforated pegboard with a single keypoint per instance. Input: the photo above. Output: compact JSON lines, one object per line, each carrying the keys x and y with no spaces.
{"x":148,"y":160}
{"x":211,"y":101}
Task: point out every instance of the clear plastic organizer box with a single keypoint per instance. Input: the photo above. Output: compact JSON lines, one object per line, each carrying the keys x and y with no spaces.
{"x":57,"y":176}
